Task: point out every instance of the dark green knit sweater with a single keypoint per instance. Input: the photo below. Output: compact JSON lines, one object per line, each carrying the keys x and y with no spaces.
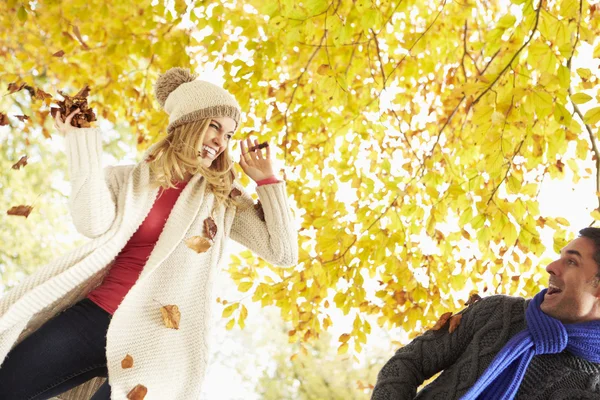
{"x":463,"y":355}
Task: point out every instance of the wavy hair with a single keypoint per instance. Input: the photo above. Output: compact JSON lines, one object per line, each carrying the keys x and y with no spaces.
{"x":175,"y":157}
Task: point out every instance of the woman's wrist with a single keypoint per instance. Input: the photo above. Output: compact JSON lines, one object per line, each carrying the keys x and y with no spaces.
{"x":267,"y":181}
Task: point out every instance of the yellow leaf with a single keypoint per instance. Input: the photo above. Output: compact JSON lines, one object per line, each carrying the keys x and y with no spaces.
{"x":227,"y":311}
{"x":230,"y":324}
{"x":343,"y":349}
{"x":562,"y":221}
{"x":581,"y":98}
{"x":245,"y":286}
{"x":592,"y":116}
{"x":584,"y":73}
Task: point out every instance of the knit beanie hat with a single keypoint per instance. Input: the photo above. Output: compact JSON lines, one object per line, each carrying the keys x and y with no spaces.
{"x":186,"y":99}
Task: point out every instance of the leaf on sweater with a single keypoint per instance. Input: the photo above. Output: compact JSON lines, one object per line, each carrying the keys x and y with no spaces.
{"x":79,"y":101}
{"x":171,"y":316}
{"x":198,"y":243}
{"x":235,"y":192}
{"x":21,"y":211}
{"x":21,"y":163}
{"x":442,"y":321}
{"x":454,"y":322}
{"x":59,"y":53}
{"x":4,"y":119}
{"x":259,"y":208}
{"x":474,"y":298}
{"x":127,"y":362}
{"x":210,"y":228}
{"x":137,"y":393}
{"x":22,"y":118}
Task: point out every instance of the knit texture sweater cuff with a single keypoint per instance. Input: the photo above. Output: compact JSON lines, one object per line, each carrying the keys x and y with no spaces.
{"x":273,"y":198}
{"x":84,"y":151}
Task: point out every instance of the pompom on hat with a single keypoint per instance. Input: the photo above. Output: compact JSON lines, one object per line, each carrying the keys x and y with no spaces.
{"x":187,"y":99}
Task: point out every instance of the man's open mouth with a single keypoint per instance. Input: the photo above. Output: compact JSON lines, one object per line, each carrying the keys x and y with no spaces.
{"x":553,"y":290}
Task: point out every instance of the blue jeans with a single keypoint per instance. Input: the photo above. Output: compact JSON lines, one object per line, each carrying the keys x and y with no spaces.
{"x":65,"y":352}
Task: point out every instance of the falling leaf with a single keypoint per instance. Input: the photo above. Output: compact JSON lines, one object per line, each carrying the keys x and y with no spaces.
{"x":21,"y":163}
{"x":150,"y":158}
{"x":4,"y":119}
{"x":127,"y":362}
{"x":474,"y":298}
{"x":259,"y":208}
{"x":41,"y":95}
{"x":137,"y":393}
{"x":198,"y":243}
{"x":235,"y":192}
{"x":22,"y":117}
{"x":14,"y":87}
{"x":78,"y":35}
{"x":454,"y":322}
{"x":21,"y":211}
{"x":59,"y":53}
{"x":210,"y":228}
{"x":83,"y":93}
{"x":171,"y":316}
{"x":442,"y":321}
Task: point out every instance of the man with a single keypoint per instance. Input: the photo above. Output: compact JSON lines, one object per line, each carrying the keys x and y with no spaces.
{"x":506,"y":347}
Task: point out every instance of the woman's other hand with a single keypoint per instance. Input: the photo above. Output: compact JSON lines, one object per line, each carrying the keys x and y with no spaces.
{"x":254,"y":163}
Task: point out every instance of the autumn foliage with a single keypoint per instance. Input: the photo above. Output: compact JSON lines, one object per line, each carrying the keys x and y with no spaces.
{"x":396,"y":120}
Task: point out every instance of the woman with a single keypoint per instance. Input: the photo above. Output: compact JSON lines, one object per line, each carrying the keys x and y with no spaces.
{"x":113,"y":294}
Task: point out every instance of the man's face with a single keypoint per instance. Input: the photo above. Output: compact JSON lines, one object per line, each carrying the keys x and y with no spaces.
{"x":573,"y":290}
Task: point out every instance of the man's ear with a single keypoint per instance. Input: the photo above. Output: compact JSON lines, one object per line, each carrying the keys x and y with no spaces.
{"x":596,"y":283}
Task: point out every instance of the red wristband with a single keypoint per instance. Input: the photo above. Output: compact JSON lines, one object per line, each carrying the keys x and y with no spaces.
{"x":267,"y":181}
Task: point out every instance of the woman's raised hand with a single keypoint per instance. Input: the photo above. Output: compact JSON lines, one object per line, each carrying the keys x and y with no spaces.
{"x":64,"y":126}
{"x":254,"y":163}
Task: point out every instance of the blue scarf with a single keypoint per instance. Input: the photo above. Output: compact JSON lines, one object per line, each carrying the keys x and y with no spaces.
{"x":543,"y":335}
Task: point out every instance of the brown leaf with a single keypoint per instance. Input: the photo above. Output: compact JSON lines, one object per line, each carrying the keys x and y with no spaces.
{"x":259,"y":208}
{"x":171,"y":316}
{"x":137,"y":393}
{"x":454,"y":322}
{"x":14,"y":87}
{"x":210,"y":228}
{"x":59,"y":53}
{"x":235,"y":192}
{"x":83,"y":93}
{"x":21,"y":211}
{"x":442,"y":321}
{"x":198,"y":243}
{"x":4,"y":119}
{"x":21,"y":163}
{"x":78,"y":35}
{"x":474,"y":298}
{"x":41,"y":95}
{"x":127,"y":362}
{"x":259,"y":147}
{"x":21,"y":117}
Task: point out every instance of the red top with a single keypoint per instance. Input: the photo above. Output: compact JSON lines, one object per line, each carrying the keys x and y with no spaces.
{"x":130,"y":261}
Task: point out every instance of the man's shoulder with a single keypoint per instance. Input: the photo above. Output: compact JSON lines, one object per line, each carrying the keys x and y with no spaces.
{"x":497,"y":304}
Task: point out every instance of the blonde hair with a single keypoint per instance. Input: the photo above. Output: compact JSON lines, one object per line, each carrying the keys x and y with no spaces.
{"x":176,"y":156}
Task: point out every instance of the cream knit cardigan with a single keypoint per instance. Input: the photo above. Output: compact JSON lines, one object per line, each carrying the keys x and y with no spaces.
{"x":108,"y":205}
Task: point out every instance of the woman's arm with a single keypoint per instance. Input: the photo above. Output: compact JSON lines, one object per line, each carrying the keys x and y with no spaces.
{"x":93,"y":189}
{"x":273,"y":236}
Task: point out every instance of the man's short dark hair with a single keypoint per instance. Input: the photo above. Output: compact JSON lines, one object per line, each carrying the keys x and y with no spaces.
{"x":594,"y":235}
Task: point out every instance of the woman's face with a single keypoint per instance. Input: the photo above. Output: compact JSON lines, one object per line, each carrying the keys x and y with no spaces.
{"x":216,"y":139}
